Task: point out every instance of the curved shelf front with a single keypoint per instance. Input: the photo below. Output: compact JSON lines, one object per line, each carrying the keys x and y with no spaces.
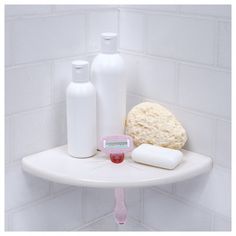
{"x":98,"y":171}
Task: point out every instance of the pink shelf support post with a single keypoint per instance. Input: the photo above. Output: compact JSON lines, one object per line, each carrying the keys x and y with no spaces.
{"x":120,"y":210}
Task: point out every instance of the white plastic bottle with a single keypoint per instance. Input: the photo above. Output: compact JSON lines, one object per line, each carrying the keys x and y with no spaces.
{"x":81,"y":112}
{"x":108,"y":78}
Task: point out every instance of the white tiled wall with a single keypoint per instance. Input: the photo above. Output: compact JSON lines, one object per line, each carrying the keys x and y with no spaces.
{"x":165,"y":213}
{"x":41,"y":42}
{"x":178,"y":55}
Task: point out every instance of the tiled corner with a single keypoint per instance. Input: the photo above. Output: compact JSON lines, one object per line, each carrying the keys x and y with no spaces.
{"x":22,"y":188}
{"x":61,"y":213}
{"x":205,"y":90}
{"x":132,"y":64}
{"x":27,"y":88}
{"x":167,"y":214}
{"x":97,"y":23}
{"x":58,"y":188}
{"x":177,"y":55}
{"x":212,"y":190}
{"x":168,"y":188}
{"x":178,"y":37}
{"x":132,"y":31}
{"x":107,"y":223}
{"x":132,"y":100}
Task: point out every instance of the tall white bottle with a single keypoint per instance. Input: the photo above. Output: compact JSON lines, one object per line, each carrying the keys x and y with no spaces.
{"x":81,"y":112}
{"x":108,"y":78}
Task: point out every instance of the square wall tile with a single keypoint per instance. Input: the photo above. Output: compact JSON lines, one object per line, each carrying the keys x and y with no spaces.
{"x":62,"y":213}
{"x":167,"y":214}
{"x":157,"y":79}
{"x":22,"y":188}
{"x":151,"y":78}
{"x":39,"y":130}
{"x":27,"y":88}
{"x":212,"y":190}
{"x":223,"y":144}
{"x":46,"y":38}
{"x":97,"y":202}
{"x":205,"y":90}
{"x":132,"y":31}
{"x":20,"y":10}
{"x":207,"y":10}
{"x":224,"y":57}
{"x":97,"y":23}
{"x":200,"y":131}
{"x":180,"y":37}
{"x":132,"y":64}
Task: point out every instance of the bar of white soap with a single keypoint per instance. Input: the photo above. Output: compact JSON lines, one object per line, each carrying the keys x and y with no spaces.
{"x":157,"y":156}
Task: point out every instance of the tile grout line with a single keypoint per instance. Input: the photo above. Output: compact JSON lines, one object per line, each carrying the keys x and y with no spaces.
{"x":49,"y":60}
{"x":37,"y":202}
{"x":184,"y":201}
{"x":186,"y":109}
{"x":54,"y":13}
{"x":177,"y":13}
{"x":176,"y":60}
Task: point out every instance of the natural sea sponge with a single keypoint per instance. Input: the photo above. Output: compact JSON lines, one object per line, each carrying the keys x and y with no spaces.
{"x":153,"y":124}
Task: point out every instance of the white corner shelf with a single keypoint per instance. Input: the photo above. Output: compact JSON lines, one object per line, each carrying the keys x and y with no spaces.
{"x":98,"y":171}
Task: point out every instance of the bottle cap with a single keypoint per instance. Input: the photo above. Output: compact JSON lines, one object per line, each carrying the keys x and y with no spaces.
{"x":80,"y":71}
{"x":109,"y":43}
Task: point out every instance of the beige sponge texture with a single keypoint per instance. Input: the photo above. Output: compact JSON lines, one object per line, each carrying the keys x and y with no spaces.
{"x":153,"y":124}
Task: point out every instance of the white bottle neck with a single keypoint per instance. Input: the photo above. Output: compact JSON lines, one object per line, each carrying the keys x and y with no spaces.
{"x":80,"y":71}
{"x":109,"y":43}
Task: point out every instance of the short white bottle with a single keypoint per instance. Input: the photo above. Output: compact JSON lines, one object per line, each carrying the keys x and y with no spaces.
{"x":81,"y":112}
{"x":108,"y":78}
